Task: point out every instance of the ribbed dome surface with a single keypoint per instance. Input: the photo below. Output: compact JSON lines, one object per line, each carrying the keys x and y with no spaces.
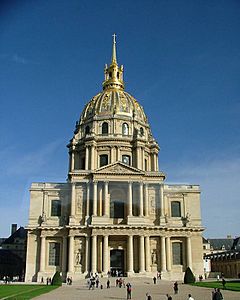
{"x":113,"y":102}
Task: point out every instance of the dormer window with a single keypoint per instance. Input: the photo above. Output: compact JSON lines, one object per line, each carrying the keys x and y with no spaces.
{"x":105,"y":128}
{"x":125,"y":129}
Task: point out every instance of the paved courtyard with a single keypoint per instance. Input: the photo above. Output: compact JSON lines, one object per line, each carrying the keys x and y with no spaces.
{"x":140,"y":286}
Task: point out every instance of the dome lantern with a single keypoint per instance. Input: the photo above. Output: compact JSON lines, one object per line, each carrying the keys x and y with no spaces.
{"x":113,"y":73}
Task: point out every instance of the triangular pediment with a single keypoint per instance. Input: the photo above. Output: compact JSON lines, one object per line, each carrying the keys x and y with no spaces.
{"x":118,"y":168}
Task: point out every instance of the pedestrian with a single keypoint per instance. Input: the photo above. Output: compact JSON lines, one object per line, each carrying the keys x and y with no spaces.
{"x":108,"y":284}
{"x":97,"y":282}
{"x":218,"y":295}
{"x":154,"y":280}
{"x":224,"y":283}
{"x":175,"y":287}
{"x":148,"y":296}
{"x":190,"y":297}
{"x":169,"y":297}
{"x":213,"y":293}
{"x":129,"y":290}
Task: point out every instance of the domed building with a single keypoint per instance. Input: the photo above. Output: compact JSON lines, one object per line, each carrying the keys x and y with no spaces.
{"x":114,"y":215}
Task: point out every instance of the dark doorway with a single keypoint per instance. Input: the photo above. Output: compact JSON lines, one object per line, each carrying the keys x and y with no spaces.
{"x":117,"y":262}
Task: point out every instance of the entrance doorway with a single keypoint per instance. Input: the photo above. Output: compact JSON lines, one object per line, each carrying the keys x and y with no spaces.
{"x":117,"y":262}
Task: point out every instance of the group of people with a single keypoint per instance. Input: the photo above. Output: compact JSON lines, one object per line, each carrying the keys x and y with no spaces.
{"x":216,"y":294}
{"x":120,"y":282}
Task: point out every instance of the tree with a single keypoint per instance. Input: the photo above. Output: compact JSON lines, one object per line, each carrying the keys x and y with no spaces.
{"x":189,"y":277}
{"x":57,"y":279}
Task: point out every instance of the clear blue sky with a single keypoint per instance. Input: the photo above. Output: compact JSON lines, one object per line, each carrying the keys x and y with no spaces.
{"x":181,"y":62}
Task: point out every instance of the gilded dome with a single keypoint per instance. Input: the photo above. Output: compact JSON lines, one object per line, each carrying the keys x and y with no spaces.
{"x":114,"y":102}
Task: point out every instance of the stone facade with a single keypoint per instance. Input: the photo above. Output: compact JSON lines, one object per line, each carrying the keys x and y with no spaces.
{"x":115,"y":213}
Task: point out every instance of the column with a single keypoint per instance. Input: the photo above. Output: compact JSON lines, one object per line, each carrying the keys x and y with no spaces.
{"x":72,"y":160}
{"x":43,"y":254}
{"x":146,"y":199}
{"x":168,"y":252}
{"x":87,"y":199}
{"x":92,"y":158}
{"x":189,"y":252}
{"x":138,"y":157}
{"x":118,"y":154}
{"x":130,"y":199}
{"x":71,"y":254}
{"x":130,"y":253}
{"x":141,"y":254}
{"x":94,"y":254}
{"x":87,"y":252}
{"x":100,"y":254}
{"x":157,"y":167}
{"x":143,"y":158}
{"x":111,"y":155}
{"x":73,"y":199}
{"x":154,"y":162}
{"x":106,"y":200}
{"x":95,"y":198}
{"x":147,"y":253}
{"x":141,"y":199}
{"x":64,"y":254}
{"x":163,"y":254}
{"x":161,"y":200}
{"x":86,"y":158}
{"x":105,"y":254}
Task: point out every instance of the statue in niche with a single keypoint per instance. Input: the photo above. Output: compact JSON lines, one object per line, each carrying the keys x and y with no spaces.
{"x":79,"y":203}
{"x":186,"y":219}
{"x":78,"y":259}
{"x":43,"y":217}
{"x":154,"y":257}
{"x":166,"y":217}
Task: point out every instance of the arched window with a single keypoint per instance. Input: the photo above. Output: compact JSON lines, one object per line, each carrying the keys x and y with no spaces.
{"x":87,"y":130}
{"x":125,"y":129}
{"x":105,"y":128}
{"x":141,"y":131}
{"x":103,"y":160}
{"x":177,"y":257}
{"x":126,"y":159}
{"x":175,"y":209}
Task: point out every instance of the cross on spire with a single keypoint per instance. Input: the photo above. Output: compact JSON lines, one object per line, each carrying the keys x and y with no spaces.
{"x":114,"y":52}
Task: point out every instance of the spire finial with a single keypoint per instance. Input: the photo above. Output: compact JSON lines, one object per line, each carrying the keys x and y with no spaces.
{"x":114,"y":52}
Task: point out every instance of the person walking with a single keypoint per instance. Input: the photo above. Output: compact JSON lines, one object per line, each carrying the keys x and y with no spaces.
{"x":108,"y":284}
{"x":129,"y":290}
{"x":169,"y":297}
{"x":154,"y":280}
{"x":175,"y":287}
{"x":190,"y":297}
{"x":148,"y":296}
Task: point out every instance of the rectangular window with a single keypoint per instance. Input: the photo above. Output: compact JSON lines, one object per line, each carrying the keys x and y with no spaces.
{"x":103,"y":160}
{"x":54,"y":254}
{"x":126,"y":159}
{"x":176,"y":209}
{"x":177,"y":253}
{"x":56,"y":208}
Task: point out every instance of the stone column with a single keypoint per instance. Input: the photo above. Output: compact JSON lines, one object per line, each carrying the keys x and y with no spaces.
{"x":43,"y":254}
{"x":163,"y":254}
{"x":106,"y":200}
{"x":157,"y":167}
{"x":168,"y":252}
{"x":105,"y":254}
{"x":147,"y":253}
{"x":86,"y":158}
{"x":73,"y":199}
{"x":64,"y":254}
{"x":95,"y":198}
{"x":94,"y":254}
{"x":141,"y":254}
{"x":162,"y":209}
{"x":141,"y":199}
{"x":92,"y":158}
{"x":71,"y":255}
{"x":99,"y":254}
{"x":87,"y":199}
{"x":87,"y":254}
{"x":72,"y":160}
{"x":130,"y":199}
{"x":146,"y":199}
{"x":189,"y":252}
{"x":130,"y":254}
{"x":118,"y":154}
{"x":112,"y":155}
{"x":138,"y":157}
{"x":143,"y":159}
